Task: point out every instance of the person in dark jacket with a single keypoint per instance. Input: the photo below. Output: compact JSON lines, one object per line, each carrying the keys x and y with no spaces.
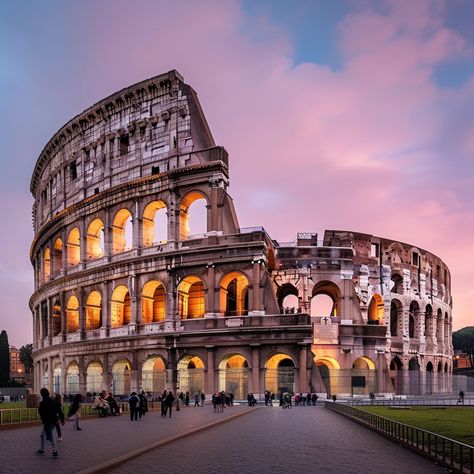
{"x":143,"y":408}
{"x":163,"y":403}
{"x":50,"y":413}
{"x":74,"y":413}
{"x":134,"y":403}
{"x":169,"y":403}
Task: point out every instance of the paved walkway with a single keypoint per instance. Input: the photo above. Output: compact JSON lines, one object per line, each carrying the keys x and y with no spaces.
{"x":304,"y":439}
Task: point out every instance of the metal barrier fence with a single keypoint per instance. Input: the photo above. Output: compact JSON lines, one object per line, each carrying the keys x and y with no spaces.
{"x":10,"y":416}
{"x":453,"y":454}
{"x":433,"y":402}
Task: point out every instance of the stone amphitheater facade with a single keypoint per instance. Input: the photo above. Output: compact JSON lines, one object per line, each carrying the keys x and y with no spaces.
{"x":126,"y":298}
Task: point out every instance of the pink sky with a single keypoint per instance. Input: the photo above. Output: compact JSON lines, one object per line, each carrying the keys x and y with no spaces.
{"x":375,"y":145}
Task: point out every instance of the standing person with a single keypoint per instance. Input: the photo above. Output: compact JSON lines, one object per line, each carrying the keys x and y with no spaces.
{"x":143,"y":408}
{"x":196,"y":399}
{"x":186,"y":399}
{"x":223,"y":397}
{"x":169,"y":402}
{"x":461,"y":398}
{"x":163,"y":403}
{"x":49,"y":412}
{"x":134,"y":403}
{"x":57,"y":399}
{"x":203,"y":398}
{"x":74,"y":413}
{"x":114,"y":408}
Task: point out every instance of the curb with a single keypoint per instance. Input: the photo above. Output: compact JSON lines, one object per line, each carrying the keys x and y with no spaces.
{"x":104,"y":466}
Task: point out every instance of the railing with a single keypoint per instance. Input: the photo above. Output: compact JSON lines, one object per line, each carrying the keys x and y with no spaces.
{"x":453,"y":454}
{"x":404,"y":402}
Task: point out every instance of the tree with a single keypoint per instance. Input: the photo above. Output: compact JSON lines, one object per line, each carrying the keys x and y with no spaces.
{"x":26,"y":357}
{"x":463,"y":340}
{"x":4,"y":359}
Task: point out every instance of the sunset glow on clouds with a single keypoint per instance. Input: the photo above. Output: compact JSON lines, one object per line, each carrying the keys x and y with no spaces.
{"x":378,"y":137}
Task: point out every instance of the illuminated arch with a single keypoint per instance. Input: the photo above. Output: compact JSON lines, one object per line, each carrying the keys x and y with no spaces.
{"x":74,"y":247}
{"x":191,"y":302}
{"x":363,"y":363}
{"x":120,"y":308}
{"x":153,"y":375}
{"x":72,"y":314}
{"x":153,"y":302}
{"x":56,"y":315}
{"x":233,"y":293}
{"x":47,"y":264}
{"x":95,"y":239}
{"x":94,"y":375}
{"x":325,"y":299}
{"x":187,"y":224}
{"x":233,"y":375}
{"x":57,"y":255}
{"x":191,"y":372}
{"x":280,"y":374}
{"x":376,"y":309}
{"x":122,"y":231}
{"x":93,"y":310}
{"x":329,"y":362}
{"x":121,"y":371}
{"x":155,"y":224}
{"x":72,"y":378}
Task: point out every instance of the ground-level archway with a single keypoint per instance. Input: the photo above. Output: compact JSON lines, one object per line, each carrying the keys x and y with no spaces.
{"x":153,"y":375}
{"x":121,"y":373}
{"x":94,"y":376}
{"x":280,"y":374}
{"x":191,"y":374}
{"x":329,"y":370}
{"x":72,"y":378}
{"x":233,"y":375}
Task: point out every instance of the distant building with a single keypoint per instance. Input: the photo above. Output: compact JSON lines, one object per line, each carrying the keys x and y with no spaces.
{"x":17,"y":369}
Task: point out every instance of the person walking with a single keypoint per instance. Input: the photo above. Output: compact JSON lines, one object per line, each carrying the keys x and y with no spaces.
{"x":57,"y":399}
{"x":186,"y":399}
{"x":203,"y":398}
{"x":134,"y":403}
{"x":196,"y":399}
{"x":169,"y":403}
{"x":143,"y":406}
{"x":49,"y":412}
{"x":163,"y":404}
{"x":74,"y":413}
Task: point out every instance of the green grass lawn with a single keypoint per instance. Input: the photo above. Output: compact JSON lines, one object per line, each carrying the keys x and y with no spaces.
{"x":4,"y":405}
{"x":455,"y":423}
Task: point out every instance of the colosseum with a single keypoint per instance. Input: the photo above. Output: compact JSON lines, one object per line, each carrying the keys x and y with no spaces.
{"x":129,"y":297}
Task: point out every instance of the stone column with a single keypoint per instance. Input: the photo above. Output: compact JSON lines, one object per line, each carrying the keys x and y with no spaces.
{"x":134,"y":373}
{"x":256,"y":288}
{"x":63,"y":376}
{"x":210,"y":386}
{"x":213,"y":218}
{"x":49,"y":320}
{"x":106,"y":313}
{"x":106,"y":379}
{"x":62,"y":302}
{"x":171,"y":317}
{"x":108,"y":234}
{"x":380,"y":365}
{"x":171,"y":372}
{"x":132,"y":285}
{"x":82,"y":375}
{"x":82,"y":313}
{"x":83,"y":243}
{"x":303,"y":375}
{"x":50,"y":375}
{"x":256,"y":370}
{"x":211,"y":296}
{"x":137,"y":226}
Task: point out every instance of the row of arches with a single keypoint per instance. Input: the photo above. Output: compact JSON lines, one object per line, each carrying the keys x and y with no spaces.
{"x":233,"y":300}
{"x":99,"y":241}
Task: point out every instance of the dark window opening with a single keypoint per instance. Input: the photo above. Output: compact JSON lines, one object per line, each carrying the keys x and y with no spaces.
{"x":73,"y":170}
{"x":415,"y":259}
{"x":155,"y":170}
{"x":124,"y":144}
{"x":96,"y":191}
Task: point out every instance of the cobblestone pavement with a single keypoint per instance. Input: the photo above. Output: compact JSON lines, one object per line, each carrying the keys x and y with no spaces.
{"x":267,"y":440}
{"x":100,"y":440}
{"x":272,"y":440}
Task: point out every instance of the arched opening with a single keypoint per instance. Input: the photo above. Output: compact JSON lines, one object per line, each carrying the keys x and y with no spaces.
{"x":233,"y":376}
{"x":94,"y":375}
{"x":120,"y":308}
{"x":45,"y":377}
{"x":396,"y":375}
{"x":74,"y":247}
{"x":325,"y":299}
{"x":395,"y":308}
{"x":191,"y":374}
{"x":57,"y":256}
{"x":233,"y":293}
{"x":57,"y":379}
{"x":93,"y":310}
{"x":122,"y":232}
{"x":121,"y":371}
{"x":413,"y":319}
{"x":56,"y":315}
{"x":428,"y":320}
{"x":363,"y":376}
{"x":376,"y":310}
{"x":329,"y":371}
{"x":191,"y":303}
{"x":414,"y":377}
{"x":153,"y":302}
{"x":287,"y":295}
{"x":439,"y":326}
{"x":95,"y":240}
{"x":153,"y":375}
{"x":280,"y":374}
{"x":72,"y":378}
{"x":192,"y":215}
{"x":47,"y":265}
{"x":396,"y":284}
{"x":72,"y":314}
{"x":155,"y":224}
{"x":447,"y":332}
{"x":446,"y":367}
